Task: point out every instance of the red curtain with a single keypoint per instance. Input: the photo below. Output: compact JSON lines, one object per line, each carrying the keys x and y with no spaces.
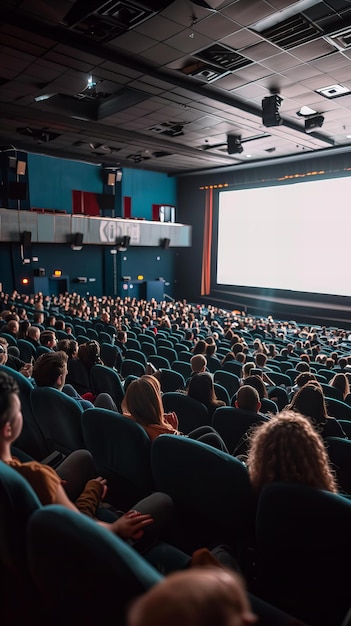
{"x":207,"y":243}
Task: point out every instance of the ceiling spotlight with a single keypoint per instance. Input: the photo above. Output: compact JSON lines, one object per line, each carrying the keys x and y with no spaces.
{"x":311,"y":123}
{"x":234,"y":144}
{"x":270,"y":110}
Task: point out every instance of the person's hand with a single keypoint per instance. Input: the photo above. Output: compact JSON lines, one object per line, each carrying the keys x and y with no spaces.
{"x":172,"y":419}
{"x":27,"y":370}
{"x":131,"y":525}
{"x":103,"y":483}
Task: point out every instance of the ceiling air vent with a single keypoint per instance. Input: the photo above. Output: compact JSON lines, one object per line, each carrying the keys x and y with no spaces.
{"x":103,"y":21}
{"x":204,"y":72}
{"x":292,"y":32}
{"x":225,"y":58}
{"x":41,"y":135}
{"x":341,"y":39}
{"x":170,"y":129}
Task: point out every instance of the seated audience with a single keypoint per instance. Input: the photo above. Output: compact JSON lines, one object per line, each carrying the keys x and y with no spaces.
{"x":50,"y":370}
{"x":143,"y":403}
{"x":309,"y":401}
{"x":73,"y":484}
{"x":13,"y":361}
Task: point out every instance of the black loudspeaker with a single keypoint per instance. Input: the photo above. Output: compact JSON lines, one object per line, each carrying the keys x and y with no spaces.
{"x":270,"y":110}
{"x":39,"y":271}
{"x":234,"y":144}
{"x":78,"y":239}
{"x":125,"y":241}
{"x":26,"y":238}
{"x":165,"y":243}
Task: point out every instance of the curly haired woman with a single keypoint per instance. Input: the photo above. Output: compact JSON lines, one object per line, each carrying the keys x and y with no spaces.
{"x":287,"y":448}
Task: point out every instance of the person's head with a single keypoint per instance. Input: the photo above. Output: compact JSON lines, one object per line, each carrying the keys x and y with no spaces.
{"x":237,"y":347}
{"x":122,"y":336}
{"x":50,"y":369}
{"x":200,"y":347}
{"x":34,"y":333}
{"x":247,"y":367}
{"x":309,"y":401}
{"x":240,"y":357}
{"x":48,"y":339}
{"x":201,"y":388}
{"x":198,"y":363}
{"x":3,"y":351}
{"x":13,"y":327}
{"x":11,"y":419}
{"x":211,"y":349}
{"x":257,"y":383}
{"x":340,"y":381}
{"x":302,"y":366}
{"x":260,"y":359}
{"x":143,"y":401}
{"x":202,"y":596}
{"x":247,"y":398}
{"x":287,"y":448}
{"x":342,"y":362}
{"x":329,"y":363}
{"x":89,"y":353}
{"x":105,"y":317}
{"x":303,"y":378}
{"x":70,"y":346}
{"x":38,"y":317}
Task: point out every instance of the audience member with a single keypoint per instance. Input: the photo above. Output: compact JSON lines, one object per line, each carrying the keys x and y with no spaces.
{"x":33,"y":335}
{"x":341,"y":382}
{"x":12,"y":361}
{"x":143,"y":403}
{"x":198,"y":364}
{"x":48,"y":339}
{"x":201,"y":388}
{"x":309,"y":401}
{"x":248,"y":399}
{"x":202,"y":596}
{"x":287,"y":448}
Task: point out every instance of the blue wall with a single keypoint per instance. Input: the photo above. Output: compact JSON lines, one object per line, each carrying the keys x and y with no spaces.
{"x":52,"y":180}
{"x":146,"y":189}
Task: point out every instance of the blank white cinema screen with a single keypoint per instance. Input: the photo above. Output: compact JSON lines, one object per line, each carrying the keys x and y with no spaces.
{"x":294,"y":237}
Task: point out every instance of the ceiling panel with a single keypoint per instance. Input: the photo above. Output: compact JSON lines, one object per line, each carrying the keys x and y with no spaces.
{"x":180,"y":65}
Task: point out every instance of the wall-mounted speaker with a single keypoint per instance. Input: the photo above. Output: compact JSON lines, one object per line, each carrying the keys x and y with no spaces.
{"x":118,"y":176}
{"x":26,"y":238}
{"x":125,"y":241}
{"x":78,"y":239}
{"x":21,"y":168}
{"x":165,"y":243}
{"x":39,"y":271}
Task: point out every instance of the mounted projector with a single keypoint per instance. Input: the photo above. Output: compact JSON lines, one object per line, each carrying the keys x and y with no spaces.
{"x":311,"y":123}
